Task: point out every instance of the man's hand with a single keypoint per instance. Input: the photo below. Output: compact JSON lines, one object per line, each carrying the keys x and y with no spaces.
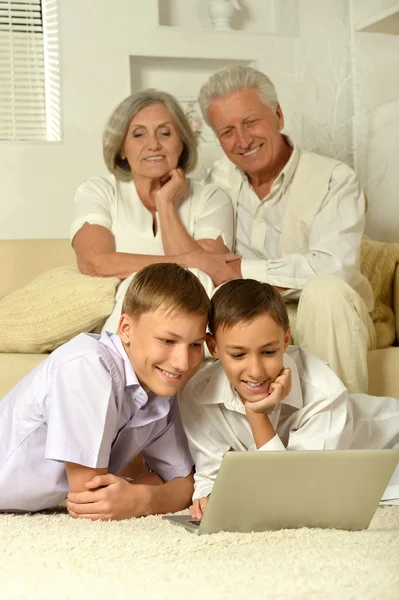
{"x":219,"y":267}
{"x":236,"y":266}
{"x":173,"y":190}
{"x":108,"y":497}
{"x":198,"y":507}
{"x":278,"y":390}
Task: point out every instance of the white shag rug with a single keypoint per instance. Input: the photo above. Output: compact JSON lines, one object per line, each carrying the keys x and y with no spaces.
{"x":51,"y":556}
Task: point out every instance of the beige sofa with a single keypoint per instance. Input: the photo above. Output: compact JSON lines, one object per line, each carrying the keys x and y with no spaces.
{"x":22,"y":260}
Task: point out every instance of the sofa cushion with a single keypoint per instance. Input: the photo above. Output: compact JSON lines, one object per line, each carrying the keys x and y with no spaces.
{"x":395,"y":301}
{"x":23,"y":260}
{"x":53,"y":308}
{"x":383,"y":372}
{"x":379,"y":261}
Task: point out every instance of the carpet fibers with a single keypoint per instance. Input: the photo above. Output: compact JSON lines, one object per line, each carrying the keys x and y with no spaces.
{"x":51,"y":556}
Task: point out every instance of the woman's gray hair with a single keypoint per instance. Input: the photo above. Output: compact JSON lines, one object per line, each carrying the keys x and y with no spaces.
{"x":233,"y":79}
{"x":118,"y":125}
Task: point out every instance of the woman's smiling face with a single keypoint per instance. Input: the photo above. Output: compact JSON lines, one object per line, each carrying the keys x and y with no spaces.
{"x":152,"y":145}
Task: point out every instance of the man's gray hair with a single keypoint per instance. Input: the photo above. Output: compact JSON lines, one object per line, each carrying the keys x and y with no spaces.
{"x":232,"y":79}
{"x":118,"y":125}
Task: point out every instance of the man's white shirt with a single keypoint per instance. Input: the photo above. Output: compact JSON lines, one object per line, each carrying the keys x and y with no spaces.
{"x":318,"y":414}
{"x":334,"y":238}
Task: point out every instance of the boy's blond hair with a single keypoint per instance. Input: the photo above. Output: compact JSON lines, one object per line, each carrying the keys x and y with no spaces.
{"x":242,"y":300}
{"x":165,"y":285}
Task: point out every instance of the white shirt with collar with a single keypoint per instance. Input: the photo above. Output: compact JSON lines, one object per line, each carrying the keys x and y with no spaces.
{"x":206,"y":213}
{"x":335,"y":235}
{"x":318,"y":414}
{"x":84,"y":405}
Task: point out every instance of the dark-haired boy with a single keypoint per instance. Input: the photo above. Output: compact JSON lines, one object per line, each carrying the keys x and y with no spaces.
{"x":265,"y":395}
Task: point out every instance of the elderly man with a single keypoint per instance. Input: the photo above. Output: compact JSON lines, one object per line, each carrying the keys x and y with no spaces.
{"x":299,"y":222}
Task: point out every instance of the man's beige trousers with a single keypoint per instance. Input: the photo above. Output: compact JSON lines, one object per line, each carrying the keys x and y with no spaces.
{"x":332,"y":321}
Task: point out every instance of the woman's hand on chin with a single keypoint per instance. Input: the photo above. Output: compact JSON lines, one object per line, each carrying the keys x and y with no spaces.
{"x":174,"y":188}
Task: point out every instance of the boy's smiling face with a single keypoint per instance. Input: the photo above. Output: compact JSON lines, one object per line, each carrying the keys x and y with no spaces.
{"x":252,"y":354}
{"x":164,"y":348}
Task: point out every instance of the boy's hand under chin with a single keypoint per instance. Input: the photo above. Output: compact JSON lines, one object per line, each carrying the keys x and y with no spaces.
{"x":278,"y":390}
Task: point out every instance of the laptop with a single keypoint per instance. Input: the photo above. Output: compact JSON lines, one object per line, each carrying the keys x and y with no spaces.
{"x":259,"y":491}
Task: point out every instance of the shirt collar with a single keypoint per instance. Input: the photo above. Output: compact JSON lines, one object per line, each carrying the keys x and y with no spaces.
{"x":113,"y":341}
{"x":287,"y":173}
{"x":294,"y":398}
{"x":158,"y":406}
{"x":220,"y":391}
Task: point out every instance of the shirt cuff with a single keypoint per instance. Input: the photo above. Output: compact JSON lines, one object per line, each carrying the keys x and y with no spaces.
{"x":254,"y":269}
{"x":214,"y":234}
{"x":93,"y":219}
{"x":258,"y":269}
{"x":76,"y":455}
{"x":202,"y":489}
{"x":274,"y":444}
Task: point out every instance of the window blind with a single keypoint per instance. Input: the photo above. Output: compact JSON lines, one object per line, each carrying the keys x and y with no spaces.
{"x":29,"y":70}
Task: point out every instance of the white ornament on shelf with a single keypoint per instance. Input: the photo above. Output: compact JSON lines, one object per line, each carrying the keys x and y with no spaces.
{"x":221,"y":12}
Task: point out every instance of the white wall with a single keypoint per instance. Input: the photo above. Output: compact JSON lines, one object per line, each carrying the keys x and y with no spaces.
{"x":312,"y":73}
{"x":376,"y":120}
{"x":314,"y":80}
{"x":38,"y":180}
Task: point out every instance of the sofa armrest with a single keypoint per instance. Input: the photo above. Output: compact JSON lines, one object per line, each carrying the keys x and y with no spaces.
{"x":23,"y":260}
{"x":395,"y":300}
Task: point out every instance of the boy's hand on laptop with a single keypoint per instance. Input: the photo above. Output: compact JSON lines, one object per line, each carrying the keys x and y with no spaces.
{"x":198,"y":507}
{"x":108,"y":497}
{"x":278,"y":390}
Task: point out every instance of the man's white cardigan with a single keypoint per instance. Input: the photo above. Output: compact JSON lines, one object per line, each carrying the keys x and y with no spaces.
{"x":309,"y":187}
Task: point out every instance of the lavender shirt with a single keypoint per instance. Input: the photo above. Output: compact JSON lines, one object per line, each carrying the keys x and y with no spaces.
{"x":84,"y":405}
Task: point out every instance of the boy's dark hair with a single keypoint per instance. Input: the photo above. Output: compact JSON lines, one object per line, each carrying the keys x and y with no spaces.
{"x":242,"y":300}
{"x":165,"y":285}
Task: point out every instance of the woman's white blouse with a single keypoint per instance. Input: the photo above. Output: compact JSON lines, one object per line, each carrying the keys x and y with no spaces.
{"x":206,"y":214}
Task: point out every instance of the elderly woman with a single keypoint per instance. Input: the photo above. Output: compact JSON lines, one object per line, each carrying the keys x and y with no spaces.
{"x":147,"y":210}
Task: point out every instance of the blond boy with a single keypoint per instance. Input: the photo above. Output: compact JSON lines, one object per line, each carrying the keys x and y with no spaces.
{"x":265,"y":395}
{"x":96,"y":402}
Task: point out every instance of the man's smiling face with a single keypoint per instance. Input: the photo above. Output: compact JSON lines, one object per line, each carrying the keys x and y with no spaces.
{"x":248,"y":130}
